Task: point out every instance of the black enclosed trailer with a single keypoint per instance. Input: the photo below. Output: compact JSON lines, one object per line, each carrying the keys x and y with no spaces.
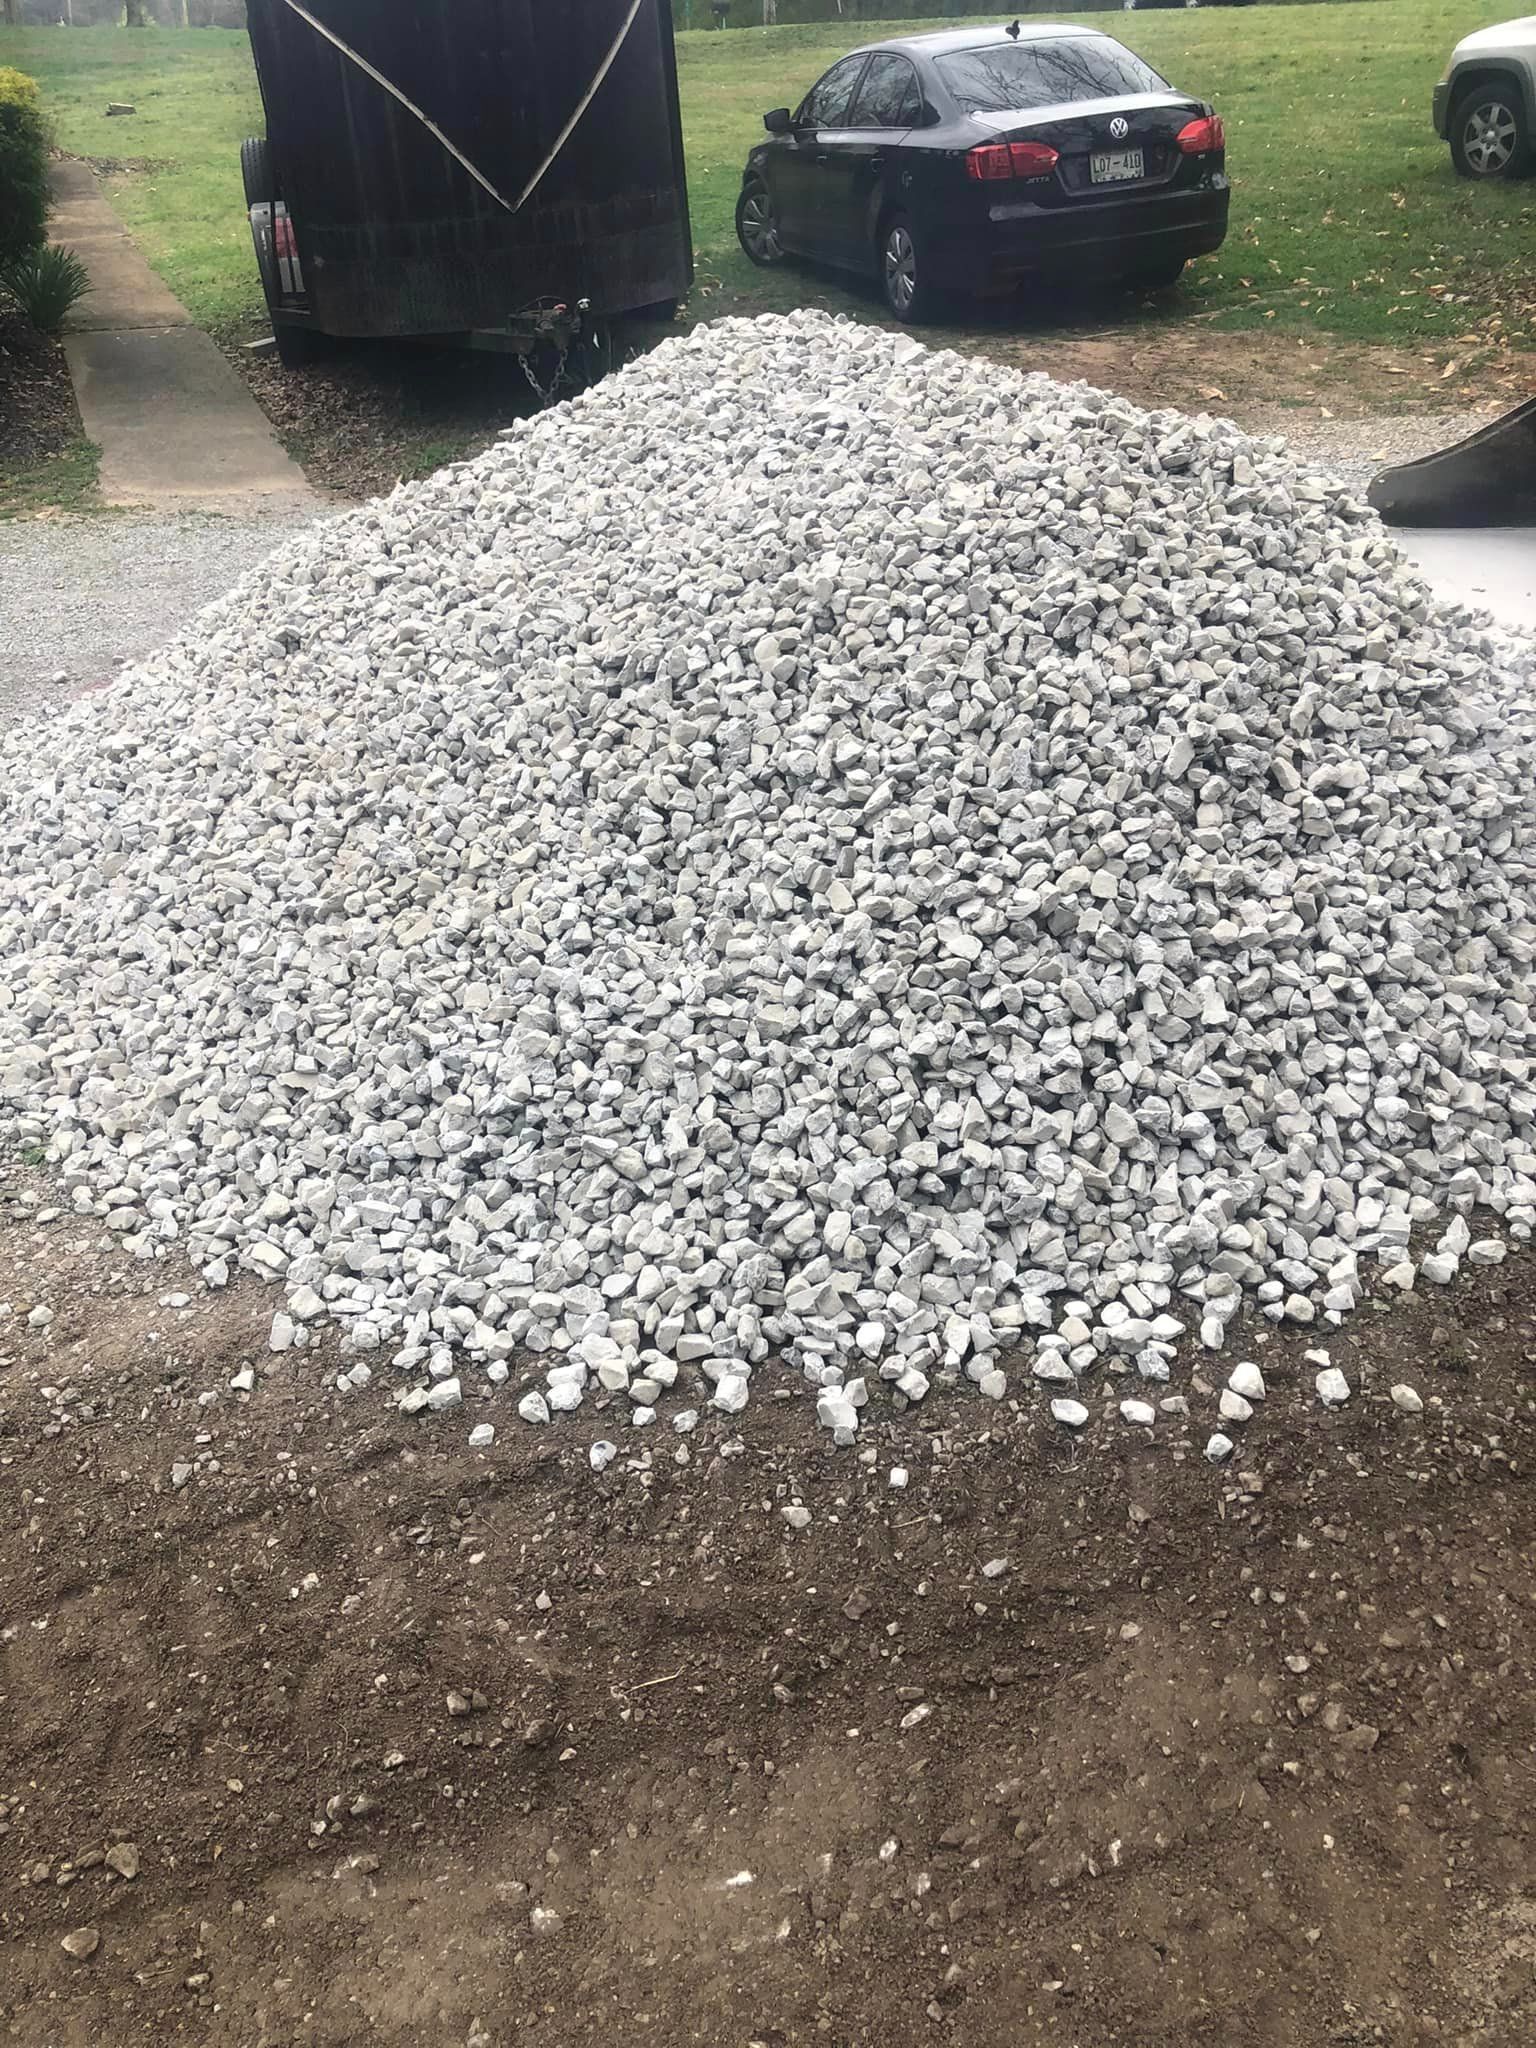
{"x":507,"y":172}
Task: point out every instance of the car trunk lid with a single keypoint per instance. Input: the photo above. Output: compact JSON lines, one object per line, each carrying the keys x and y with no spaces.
{"x":1079,"y":132}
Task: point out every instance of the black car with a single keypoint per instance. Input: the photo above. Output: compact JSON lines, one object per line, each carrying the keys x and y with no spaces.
{"x":976,"y":158}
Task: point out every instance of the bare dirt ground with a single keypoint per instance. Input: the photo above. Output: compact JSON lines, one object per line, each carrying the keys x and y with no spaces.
{"x":409,"y":1744}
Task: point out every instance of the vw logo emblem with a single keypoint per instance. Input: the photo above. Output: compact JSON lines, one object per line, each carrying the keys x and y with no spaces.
{"x":1119,"y":128}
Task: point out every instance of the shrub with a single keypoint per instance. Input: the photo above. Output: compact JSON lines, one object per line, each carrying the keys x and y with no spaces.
{"x":45,"y":284}
{"x":23,"y":167}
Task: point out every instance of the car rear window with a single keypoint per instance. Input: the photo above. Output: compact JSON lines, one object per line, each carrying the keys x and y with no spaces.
{"x":1010,"y":77}
{"x":889,"y":97}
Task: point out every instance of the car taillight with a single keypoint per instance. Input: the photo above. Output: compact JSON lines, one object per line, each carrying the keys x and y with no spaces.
{"x":282,"y":238}
{"x":993,"y":160}
{"x":989,"y":160}
{"x":1032,"y":159}
{"x":1203,"y":136}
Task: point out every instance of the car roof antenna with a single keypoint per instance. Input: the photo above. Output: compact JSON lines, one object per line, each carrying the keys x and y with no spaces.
{"x":1013,"y":30}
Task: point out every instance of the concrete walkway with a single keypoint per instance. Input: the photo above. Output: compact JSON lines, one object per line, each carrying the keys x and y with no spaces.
{"x":1491,"y":568}
{"x":177,"y":428}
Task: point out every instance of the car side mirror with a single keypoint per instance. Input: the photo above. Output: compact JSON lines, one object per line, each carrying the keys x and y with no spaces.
{"x":779,"y":121}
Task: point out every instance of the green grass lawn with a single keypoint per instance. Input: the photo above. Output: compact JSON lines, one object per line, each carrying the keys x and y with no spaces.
{"x":1345,"y":208}
{"x":1346,"y":216}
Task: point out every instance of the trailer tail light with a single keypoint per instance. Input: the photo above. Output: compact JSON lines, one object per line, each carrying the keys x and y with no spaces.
{"x":285,"y":251}
{"x":1204,"y":136}
{"x":991,"y":161}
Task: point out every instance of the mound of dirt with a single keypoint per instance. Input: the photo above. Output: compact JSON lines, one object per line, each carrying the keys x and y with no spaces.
{"x":407,"y":1744}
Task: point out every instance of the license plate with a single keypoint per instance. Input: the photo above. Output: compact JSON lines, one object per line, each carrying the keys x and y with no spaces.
{"x":1111,"y":166}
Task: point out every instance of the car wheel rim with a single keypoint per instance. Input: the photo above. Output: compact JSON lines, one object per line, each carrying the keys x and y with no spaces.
{"x":760,"y":229}
{"x":900,"y":269}
{"x":1489,"y":137}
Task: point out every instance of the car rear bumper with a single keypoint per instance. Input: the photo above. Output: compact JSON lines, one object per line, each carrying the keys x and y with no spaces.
{"x":1442,"y":109}
{"x":1087,"y":242}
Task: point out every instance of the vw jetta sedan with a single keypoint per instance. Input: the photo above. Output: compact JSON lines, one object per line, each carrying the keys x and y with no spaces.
{"x":973,"y":159}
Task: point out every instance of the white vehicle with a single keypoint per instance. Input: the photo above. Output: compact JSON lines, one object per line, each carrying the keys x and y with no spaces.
{"x":1485,"y":106}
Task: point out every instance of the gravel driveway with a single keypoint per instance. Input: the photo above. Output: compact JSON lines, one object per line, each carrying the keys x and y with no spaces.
{"x":79,"y":597}
{"x":1356,"y":449}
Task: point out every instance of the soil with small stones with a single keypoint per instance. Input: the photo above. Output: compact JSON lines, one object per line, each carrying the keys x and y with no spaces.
{"x":38,"y":416}
{"x":1215,"y":1757}
{"x":363,"y":418}
{"x":371,"y":413}
{"x":366,"y":415}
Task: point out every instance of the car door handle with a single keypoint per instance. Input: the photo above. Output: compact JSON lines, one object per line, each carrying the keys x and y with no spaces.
{"x":822,"y":156}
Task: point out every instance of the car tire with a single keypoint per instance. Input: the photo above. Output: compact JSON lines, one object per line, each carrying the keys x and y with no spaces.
{"x":256,"y":171}
{"x":902,"y":263}
{"x":1156,"y":277}
{"x":757,"y":226}
{"x":1490,"y":134}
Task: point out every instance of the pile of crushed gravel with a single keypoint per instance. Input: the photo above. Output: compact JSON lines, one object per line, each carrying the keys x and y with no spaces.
{"x":818,"y":849}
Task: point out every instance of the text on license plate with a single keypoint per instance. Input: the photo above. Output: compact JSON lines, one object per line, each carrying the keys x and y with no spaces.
{"x":1111,"y":165}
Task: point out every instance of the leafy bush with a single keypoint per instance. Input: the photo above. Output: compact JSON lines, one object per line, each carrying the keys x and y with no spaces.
{"x":23,"y":167}
{"x":45,"y":284}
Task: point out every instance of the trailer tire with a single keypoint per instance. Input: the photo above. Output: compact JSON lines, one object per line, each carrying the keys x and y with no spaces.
{"x":297,"y":346}
{"x":256,"y":170}
{"x":260,"y":190}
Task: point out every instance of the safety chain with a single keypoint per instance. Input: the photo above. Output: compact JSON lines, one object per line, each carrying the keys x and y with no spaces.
{"x":545,"y":394}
